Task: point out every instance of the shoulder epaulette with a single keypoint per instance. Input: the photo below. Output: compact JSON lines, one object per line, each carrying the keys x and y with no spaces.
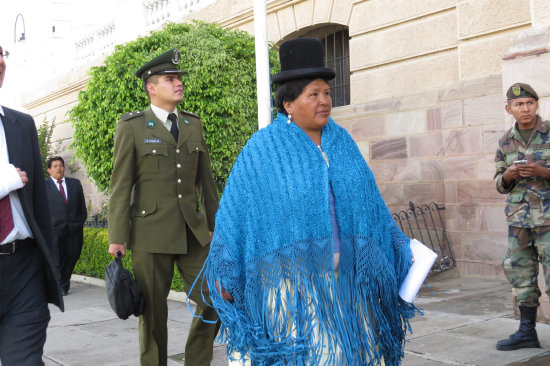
{"x":189,"y":113}
{"x":129,"y":116}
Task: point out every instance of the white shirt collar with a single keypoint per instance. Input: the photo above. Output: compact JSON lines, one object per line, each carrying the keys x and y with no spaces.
{"x":161,"y":114}
{"x":55,"y":180}
{"x":1,"y":111}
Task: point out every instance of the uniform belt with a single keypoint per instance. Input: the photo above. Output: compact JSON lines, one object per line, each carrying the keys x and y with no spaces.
{"x":14,"y":246}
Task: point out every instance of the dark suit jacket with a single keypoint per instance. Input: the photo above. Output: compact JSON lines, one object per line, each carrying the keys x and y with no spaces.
{"x":67,"y":218}
{"x":22,"y":141}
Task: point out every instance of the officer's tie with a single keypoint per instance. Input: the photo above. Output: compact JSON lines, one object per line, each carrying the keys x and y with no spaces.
{"x":174,"y":129}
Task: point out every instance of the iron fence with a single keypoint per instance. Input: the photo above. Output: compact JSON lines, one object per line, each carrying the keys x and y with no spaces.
{"x":424,"y":223}
{"x":95,"y":222}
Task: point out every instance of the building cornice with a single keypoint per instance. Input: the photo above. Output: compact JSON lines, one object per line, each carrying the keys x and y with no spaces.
{"x":70,"y":88}
{"x":247,"y":15}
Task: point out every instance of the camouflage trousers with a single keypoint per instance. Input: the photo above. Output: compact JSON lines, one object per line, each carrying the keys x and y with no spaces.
{"x":527,"y":247}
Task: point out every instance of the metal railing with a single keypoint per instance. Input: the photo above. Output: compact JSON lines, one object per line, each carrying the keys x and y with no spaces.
{"x":425,"y":223}
{"x":95,"y":222}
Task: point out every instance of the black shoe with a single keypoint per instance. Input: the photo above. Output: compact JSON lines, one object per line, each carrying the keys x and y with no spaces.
{"x":526,"y":336}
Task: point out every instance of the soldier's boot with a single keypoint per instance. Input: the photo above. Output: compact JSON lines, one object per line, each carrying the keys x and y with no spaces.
{"x":526,"y":336}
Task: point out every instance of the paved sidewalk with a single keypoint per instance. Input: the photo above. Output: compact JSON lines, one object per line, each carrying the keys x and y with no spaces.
{"x":464,"y":317}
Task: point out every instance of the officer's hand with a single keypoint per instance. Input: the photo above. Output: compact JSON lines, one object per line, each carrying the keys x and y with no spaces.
{"x":511,"y":174}
{"x":226,"y":295}
{"x":114,"y":248}
{"x":533,"y":170}
{"x":23,"y":176}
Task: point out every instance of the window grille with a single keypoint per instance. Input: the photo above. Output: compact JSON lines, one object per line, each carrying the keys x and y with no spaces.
{"x":336,"y":41}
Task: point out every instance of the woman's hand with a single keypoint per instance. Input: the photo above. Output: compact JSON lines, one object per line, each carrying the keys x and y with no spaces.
{"x":226,"y":295}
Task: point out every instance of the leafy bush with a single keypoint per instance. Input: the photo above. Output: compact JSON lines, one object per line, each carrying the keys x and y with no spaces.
{"x":47,"y":147}
{"x":95,"y":258}
{"x":220,"y":87}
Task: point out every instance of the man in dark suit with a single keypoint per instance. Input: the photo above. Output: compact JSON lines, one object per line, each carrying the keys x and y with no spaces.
{"x":28,"y":275}
{"x":68,"y":214}
{"x":160,"y":167}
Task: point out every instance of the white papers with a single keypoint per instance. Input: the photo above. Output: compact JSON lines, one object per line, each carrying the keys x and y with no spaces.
{"x":424,"y":258}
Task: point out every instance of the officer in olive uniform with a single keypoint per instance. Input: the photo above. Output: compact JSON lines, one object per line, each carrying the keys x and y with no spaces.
{"x":160,"y":167}
{"x":523,"y":172}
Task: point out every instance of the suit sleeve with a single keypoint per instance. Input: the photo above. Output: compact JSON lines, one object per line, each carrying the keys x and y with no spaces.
{"x":208,"y":187}
{"x":82,"y":211}
{"x":39,"y":198}
{"x":122,"y":181}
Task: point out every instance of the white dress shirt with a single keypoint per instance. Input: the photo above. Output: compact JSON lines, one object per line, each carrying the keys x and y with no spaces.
{"x":10,"y":181}
{"x":162,"y":115}
{"x":64,"y":186}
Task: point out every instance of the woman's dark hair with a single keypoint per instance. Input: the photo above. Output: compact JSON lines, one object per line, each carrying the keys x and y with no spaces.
{"x":289,"y":91}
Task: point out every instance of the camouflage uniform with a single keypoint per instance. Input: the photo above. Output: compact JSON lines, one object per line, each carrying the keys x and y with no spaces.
{"x":527,"y":211}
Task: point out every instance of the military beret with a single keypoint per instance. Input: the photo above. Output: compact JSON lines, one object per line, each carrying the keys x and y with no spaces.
{"x":520,"y":90}
{"x":167,"y":63}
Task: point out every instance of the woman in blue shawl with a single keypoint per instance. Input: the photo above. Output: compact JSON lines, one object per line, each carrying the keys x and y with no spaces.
{"x":306,"y":261}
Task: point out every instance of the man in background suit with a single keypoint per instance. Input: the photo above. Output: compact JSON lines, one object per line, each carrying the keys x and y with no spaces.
{"x":68,"y":214}
{"x":160,"y":167}
{"x":28,"y":275}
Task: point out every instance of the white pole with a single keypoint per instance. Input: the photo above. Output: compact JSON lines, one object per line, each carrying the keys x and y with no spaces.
{"x":262,"y":64}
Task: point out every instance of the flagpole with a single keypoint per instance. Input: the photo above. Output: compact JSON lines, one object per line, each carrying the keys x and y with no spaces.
{"x":263,"y":82}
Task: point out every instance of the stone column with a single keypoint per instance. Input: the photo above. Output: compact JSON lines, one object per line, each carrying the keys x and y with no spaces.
{"x":528,"y":61}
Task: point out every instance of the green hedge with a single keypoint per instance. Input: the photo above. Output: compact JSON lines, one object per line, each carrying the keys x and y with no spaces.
{"x":95,"y":257}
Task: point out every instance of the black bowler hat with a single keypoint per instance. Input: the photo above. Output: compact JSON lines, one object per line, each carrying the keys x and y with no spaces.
{"x":167,"y":63}
{"x":302,"y":58}
{"x":521,"y":90}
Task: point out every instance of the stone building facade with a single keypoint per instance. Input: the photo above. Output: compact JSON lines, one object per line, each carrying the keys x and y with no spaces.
{"x":424,"y":88}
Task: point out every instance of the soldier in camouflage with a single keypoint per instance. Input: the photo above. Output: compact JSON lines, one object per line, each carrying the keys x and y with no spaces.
{"x":522,"y":171}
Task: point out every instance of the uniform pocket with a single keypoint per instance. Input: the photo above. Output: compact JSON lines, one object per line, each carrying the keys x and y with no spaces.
{"x":149,"y":155}
{"x":515,"y":203}
{"x":512,"y":156}
{"x":541,"y":154}
{"x":143,"y":209}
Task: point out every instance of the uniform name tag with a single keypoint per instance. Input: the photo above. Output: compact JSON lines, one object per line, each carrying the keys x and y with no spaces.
{"x":153,"y":141}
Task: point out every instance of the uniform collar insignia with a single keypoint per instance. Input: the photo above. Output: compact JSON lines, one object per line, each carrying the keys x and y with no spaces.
{"x":185,"y":121}
{"x":151,"y":124}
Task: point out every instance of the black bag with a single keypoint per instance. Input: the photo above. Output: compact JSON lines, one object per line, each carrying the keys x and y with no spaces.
{"x":123,"y":291}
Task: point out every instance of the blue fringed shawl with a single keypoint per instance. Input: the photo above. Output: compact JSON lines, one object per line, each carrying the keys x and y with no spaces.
{"x":272,"y":250}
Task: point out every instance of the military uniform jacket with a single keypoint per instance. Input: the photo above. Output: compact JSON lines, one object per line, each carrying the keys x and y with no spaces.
{"x":528,"y":201}
{"x":156,"y":183}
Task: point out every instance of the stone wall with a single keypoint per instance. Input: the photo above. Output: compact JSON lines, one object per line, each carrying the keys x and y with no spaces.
{"x":439,"y":146}
{"x":399,"y":47}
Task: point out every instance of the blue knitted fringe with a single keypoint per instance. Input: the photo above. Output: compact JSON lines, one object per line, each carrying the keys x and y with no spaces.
{"x":288,"y":312}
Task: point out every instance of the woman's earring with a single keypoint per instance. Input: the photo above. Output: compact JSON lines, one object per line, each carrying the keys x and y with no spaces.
{"x":289,"y":118}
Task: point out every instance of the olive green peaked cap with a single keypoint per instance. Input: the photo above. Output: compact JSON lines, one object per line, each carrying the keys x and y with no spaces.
{"x":167,"y":63}
{"x":520,"y":90}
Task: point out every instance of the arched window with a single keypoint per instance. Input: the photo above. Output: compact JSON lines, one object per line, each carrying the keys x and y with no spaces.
{"x":336,"y":41}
